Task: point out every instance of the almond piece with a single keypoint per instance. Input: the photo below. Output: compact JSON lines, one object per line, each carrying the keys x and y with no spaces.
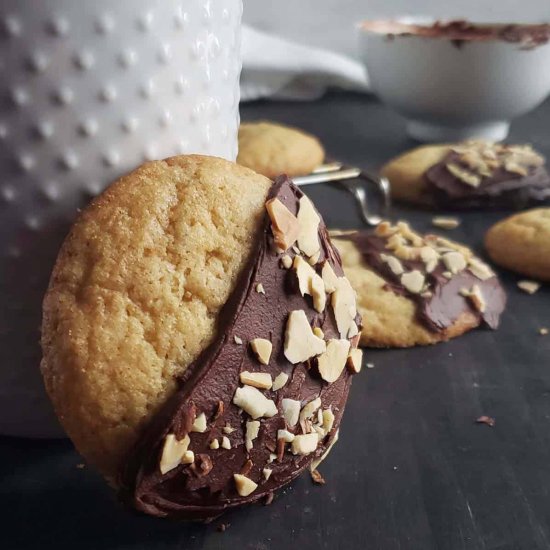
{"x":262,"y":348}
{"x":285,"y":435}
{"x":309,"y":409}
{"x":261,"y":380}
{"x":454,"y":262}
{"x":200,"y":424}
{"x":188,"y":457}
{"x":413,"y":281}
{"x":291,"y":411}
{"x":227,"y":429}
{"x":284,"y":224}
{"x":329,"y":277}
{"x":445,"y":223}
{"x":315,"y":464}
{"x":254,"y":403}
{"x":344,"y":306}
{"x":280,"y":380}
{"x":479,"y":269}
{"x":355,"y":359}
{"x":328,"y":420}
{"x":394,"y":264}
{"x":266,"y":473}
{"x":476,"y":297}
{"x":214,"y":444}
{"x":237,"y":340}
{"x":463,"y":175}
{"x":260,"y":288}
{"x":226,"y":444}
{"x":529,"y":286}
{"x":318,"y":332}
{"x":308,"y":237}
{"x":333,"y":361}
{"x":172,"y":452}
{"x":286,"y":261}
{"x":309,"y":282}
{"x":304,"y":444}
{"x":252,"y":430}
{"x":245,"y":486}
{"x":300,"y":342}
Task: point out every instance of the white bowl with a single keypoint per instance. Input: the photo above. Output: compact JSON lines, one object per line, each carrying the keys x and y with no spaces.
{"x":449,"y":89}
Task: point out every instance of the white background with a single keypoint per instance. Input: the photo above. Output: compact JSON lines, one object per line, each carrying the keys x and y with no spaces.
{"x":331,"y":23}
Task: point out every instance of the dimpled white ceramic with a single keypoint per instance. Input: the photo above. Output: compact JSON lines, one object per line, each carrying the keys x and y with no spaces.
{"x":450,"y":91}
{"x":89,"y":89}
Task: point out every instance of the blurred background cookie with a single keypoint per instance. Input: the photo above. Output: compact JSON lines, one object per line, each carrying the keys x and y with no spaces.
{"x":417,"y":290}
{"x":272,"y":149}
{"x":521,"y":243}
{"x":472,"y":174}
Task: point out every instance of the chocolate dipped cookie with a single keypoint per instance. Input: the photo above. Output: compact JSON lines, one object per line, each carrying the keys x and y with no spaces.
{"x":199,"y":336}
{"x":472,"y":174}
{"x":417,"y":290}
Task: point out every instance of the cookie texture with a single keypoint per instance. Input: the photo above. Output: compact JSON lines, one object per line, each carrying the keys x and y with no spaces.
{"x":272,"y":149}
{"x":136,"y":291}
{"x":406,"y":173}
{"x":521,"y":243}
{"x":389,"y":319}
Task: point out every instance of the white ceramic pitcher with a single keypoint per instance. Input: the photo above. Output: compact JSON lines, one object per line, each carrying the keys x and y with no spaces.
{"x":88,"y":90}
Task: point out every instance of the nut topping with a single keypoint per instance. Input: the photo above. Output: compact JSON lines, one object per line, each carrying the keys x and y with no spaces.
{"x":329,"y":277}
{"x":308,"y":238}
{"x":188,"y":457}
{"x":300,"y":342}
{"x":266,"y":473}
{"x":262,"y":348}
{"x":260,"y":288}
{"x":291,"y":411}
{"x":413,"y":281}
{"x":394,"y":264}
{"x":200,"y":424}
{"x":463,"y":175}
{"x":355,"y":359}
{"x":309,"y":409}
{"x":214,"y":444}
{"x":252,"y":430}
{"x":454,"y":262}
{"x":476,"y":297}
{"x":285,"y":435}
{"x":226,"y":444}
{"x":286,"y":261}
{"x":479,"y":269}
{"x":280,"y":380}
{"x":309,"y":282}
{"x":237,"y":340}
{"x":173,"y":452}
{"x":304,"y":444}
{"x":529,"y":286}
{"x":333,"y":361}
{"x":328,"y":420}
{"x":227,"y":429}
{"x":344,"y":306}
{"x":445,"y":223}
{"x":244,"y":485}
{"x":254,"y":403}
{"x":261,"y":380}
{"x":284,"y":224}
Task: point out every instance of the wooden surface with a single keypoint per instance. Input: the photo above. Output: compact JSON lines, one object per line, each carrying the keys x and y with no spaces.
{"x":411,"y":471}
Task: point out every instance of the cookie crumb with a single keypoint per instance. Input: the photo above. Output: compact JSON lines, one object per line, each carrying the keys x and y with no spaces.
{"x":489,"y":420}
{"x":370,"y":365}
{"x":222,"y":527}
{"x":528,"y":286}
{"x":81,"y":466}
{"x":317,"y":478}
{"x":543,"y":331}
{"x":445,"y":223}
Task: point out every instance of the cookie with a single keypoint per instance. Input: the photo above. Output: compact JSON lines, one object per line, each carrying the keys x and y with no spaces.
{"x":183,"y":358}
{"x":521,"y":243}
{"x":272,"y":149}
{"x":472,"y":174}
{"x":417,"y":290}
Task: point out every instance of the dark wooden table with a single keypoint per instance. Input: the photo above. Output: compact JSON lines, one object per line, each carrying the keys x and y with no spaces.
{"x":411,"y":471}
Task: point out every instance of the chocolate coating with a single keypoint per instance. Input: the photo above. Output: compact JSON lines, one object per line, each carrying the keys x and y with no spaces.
{"x":440,"y":310}
{"x":503,"y":189}
{"x":206,"y":488}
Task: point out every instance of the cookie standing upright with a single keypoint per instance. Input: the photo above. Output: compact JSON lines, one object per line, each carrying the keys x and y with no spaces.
{"x":272,"y":149}
{"x":473,"y":174}
{"x":521,"y":243}
{"x":417,"y":290}
{"x":192,"y":347}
